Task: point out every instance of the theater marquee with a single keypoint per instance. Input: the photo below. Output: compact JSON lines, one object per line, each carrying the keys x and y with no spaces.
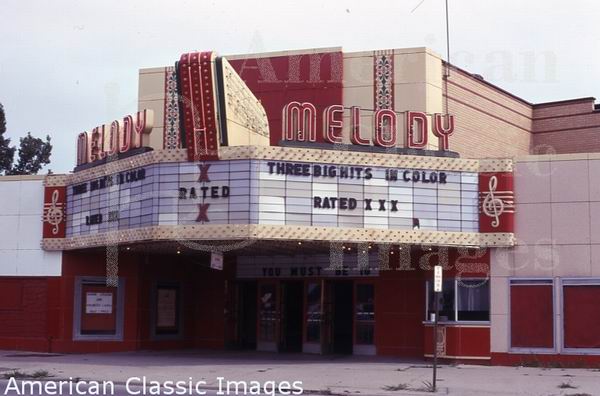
{"x":274,"y":193}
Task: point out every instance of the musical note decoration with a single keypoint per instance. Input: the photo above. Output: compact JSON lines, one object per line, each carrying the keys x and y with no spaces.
{"x":54,"y":212}
{"x":495,"y":203}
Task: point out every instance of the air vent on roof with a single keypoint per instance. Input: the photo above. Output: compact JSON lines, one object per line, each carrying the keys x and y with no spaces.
{"x":479,"y":77}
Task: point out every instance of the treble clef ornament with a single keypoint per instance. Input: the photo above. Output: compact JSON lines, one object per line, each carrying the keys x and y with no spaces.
{"x":493,"y":206}
{"x":54,"y":214}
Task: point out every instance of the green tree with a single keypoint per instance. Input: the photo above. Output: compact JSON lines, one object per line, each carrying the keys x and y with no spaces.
{"x":7,"y":153}
{"x":34,"y":153}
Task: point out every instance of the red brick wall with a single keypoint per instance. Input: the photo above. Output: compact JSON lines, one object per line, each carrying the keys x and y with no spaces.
{"x":23,"y":313}
{"x":489,"y":122}
{"x":493,"y":123}
{"x":566,"y":127}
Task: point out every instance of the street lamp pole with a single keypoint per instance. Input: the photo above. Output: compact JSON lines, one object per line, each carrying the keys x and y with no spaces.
{"x":437,"y":289}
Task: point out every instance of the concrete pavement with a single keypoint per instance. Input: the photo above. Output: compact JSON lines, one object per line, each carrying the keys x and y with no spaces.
{"x":348,"y":375}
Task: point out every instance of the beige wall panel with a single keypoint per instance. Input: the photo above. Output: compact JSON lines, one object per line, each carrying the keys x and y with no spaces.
{"x":502,"y":262}
{"x":499,"y":333}
{"x":499,"y":295}
{"x":358,"y":96}
{"x":533,"y":223}
{"x":533,"y":260}
{"x":151,"y":85}
{"x":571,"y":223}
{"x":358,"y":72}
{"x":156,"y":136}
{"x":570,"y":181}
{"x":532,"y":182}
{"x":572,"y":260}
{"x":410,"y":68}
{"x":595,"y":260}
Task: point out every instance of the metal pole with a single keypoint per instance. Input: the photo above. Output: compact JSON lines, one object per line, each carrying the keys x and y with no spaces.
{"x":435,"y":339}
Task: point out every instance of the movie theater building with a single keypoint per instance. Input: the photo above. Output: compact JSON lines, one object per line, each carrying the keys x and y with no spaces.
{"x":297,"y":202}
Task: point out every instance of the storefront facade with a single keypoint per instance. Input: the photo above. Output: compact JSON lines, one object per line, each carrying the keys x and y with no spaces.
{"x":298,"y":201}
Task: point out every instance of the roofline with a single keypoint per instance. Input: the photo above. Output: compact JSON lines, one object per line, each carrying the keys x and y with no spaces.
{"x":566,"y":101}
{"x":533,"y":105}
{"x":21,"y":177}
{"x":493,"y":86}
{"x":270,"y":54}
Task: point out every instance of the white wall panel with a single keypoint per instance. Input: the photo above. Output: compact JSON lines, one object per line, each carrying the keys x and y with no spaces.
{"x":21,"y":210}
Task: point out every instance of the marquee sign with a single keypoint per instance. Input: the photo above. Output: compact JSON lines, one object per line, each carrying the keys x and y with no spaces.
{"x":300,"y":124}
{"x":275,"y":193}
{"x":316,"y":265}
{"x":118,"y":137}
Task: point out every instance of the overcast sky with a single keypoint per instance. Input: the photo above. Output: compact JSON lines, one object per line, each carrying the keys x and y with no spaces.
{"x":67,"y":66}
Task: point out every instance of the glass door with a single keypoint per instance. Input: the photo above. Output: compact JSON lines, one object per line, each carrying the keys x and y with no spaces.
{"x":314,"y":317}
{"x":327,"y":317}
{"x":364,"y":320}
{"x":268,"y":316}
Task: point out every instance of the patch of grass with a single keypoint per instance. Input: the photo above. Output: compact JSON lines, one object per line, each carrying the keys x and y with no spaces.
{"x":531,"y":363}
{"x":40,"y":374}
{"x":566,"y":385}
{"x":578,"y":394}
{"x":393,"y":388}
{"x":14,"y":374}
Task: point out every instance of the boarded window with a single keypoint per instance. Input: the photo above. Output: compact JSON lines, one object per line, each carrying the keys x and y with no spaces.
{"x":531,"y":314}
{"x":581,"y":305}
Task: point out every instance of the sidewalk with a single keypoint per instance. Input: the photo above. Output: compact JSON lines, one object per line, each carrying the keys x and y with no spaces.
{"x":320,"y":374}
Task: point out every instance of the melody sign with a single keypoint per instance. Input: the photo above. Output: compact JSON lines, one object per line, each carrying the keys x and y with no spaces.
{"x":117,"y":137}
{"x":300,"y":124}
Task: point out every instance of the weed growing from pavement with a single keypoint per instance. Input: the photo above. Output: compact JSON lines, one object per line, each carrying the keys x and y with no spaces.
{"x":394,"y":388}
{"x":427,"y":387}
{"x":566,"y":385}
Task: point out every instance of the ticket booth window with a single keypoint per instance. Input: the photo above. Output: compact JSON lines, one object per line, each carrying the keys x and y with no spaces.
{"x":313,"y":312}
{"x":447,"y":308}
{"x":365,"y":314}
{"x":98,"y":310}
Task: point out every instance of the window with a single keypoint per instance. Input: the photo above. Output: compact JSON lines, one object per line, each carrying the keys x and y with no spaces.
{"x":446,"y":301}
{"x":531,"y":314}
{"x":473,"y":299}
{"x":581,"y":313}
{"x":461,"y":300}
{"x":365,"y":314}
{"x":313,"y":312}
{"x":98,"y":309}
